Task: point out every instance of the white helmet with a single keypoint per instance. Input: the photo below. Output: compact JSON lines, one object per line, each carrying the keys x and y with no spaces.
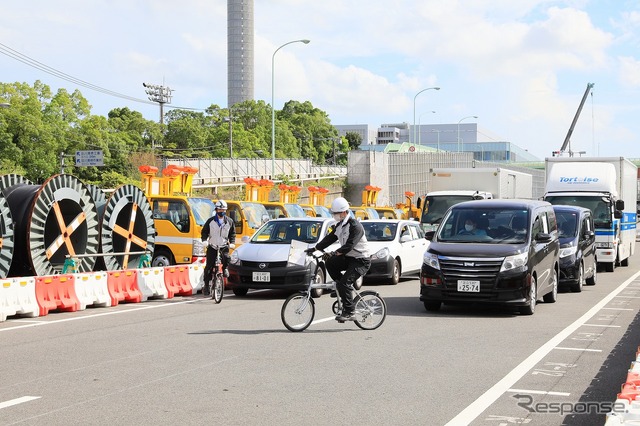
{"x":221,"y":204}
{"x":339,"y":205}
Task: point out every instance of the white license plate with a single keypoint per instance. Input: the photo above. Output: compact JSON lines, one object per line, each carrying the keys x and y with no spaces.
{"x":263,"y":277}
{"x":469,"y":286}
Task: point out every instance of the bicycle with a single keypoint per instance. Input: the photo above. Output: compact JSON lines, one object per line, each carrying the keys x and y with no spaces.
{"x":299,"y":308}
{"x":216,"y":283}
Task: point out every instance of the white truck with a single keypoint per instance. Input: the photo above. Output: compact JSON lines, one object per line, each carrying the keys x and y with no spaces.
{"x":608,"y":187}
{"x":450,"y":186}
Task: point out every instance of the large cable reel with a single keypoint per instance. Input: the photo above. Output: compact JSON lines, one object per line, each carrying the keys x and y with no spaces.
{"x":7,"y":236}
{"x":52,"y":222}
{"x":126,"y":228}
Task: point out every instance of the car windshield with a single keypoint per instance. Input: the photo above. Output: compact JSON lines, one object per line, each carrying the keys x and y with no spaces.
{"x":435,"y":207}
{"x":294,"y":210}
{"x":567,"y":223}
{"x":485,"y":225}
{"x":202,"y":208}
{"x":254,"y":213}
{"x":600,"y":207}
{"x":376,"y":231}
{"x":322,"y":211}
{"x":283,"y":231}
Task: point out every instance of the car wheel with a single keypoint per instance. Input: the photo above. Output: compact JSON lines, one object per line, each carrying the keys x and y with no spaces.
{"x":530,"y":308}
{"x":395,"y":275}
{"x":624,"y":262}
{"x":162,"y":257}
{"x":432,"y":305}
{"x":318,"y":279}
{"x":240,"y":291}
{"x":552,"y":296}
{"x":593,"y":278}
{"x":577,"y":288}
{"x":610,"y":266}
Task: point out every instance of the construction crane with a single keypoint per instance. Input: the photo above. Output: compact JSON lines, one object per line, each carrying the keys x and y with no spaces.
{"x":567,"y":140}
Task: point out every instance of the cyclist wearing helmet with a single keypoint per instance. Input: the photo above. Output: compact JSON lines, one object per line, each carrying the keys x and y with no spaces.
{"x":220,"y":233}
{"x":352,"y":257}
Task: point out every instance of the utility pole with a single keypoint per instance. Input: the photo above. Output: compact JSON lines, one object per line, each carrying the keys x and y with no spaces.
{"x":160,"y":94}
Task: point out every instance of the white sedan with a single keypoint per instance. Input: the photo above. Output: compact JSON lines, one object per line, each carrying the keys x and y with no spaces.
{"x":396,"y":246}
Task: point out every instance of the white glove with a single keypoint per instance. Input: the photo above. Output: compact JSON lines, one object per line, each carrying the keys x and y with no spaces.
{"x":232,"y":245}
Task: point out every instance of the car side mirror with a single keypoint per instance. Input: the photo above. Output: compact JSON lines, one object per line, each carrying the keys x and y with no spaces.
{"x":429,"y":235}
{"x":620,"y":205}
{"x":617,"y":214}
{"x":405,"y":238}
{"x":244,"y":239}
{"x":589,"y":234}
{"x":543,"y":237}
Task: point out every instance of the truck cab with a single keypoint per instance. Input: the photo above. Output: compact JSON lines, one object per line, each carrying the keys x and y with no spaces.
{"x":434,"y":205}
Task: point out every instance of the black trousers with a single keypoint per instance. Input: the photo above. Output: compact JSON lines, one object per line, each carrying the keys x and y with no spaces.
{"x":353,"y":269}
{"x":212,"y":253}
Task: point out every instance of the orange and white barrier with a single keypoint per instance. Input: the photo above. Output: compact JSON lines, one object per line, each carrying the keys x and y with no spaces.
{"x":56,"y":292}
{"x":177,"y":280}
{"x":151,"y":283}
{"x":91,"y":289}
{"x":18,"y":297}
{"x":627,"y":405}
{"x":123,"y":286}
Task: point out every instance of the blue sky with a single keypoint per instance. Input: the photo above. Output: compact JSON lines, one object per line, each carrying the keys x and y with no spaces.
{"x":521,"y":66}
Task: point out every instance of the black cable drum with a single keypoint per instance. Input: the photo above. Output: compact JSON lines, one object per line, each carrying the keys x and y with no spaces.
{"x":52,"y":221}
{"x":127,"y":226}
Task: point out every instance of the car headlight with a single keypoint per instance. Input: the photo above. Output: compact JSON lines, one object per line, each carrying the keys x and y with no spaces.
{"x":568,"y":251}
{"x":382,"y":253}
{"x":514,"y":262}
{"x":235,"y":259}
{"x":431,"y":259}
{"x":199,"y":248}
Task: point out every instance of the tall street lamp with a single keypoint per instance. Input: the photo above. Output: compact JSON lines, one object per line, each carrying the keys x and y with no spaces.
{"x":273,"y":108}
{"x":463,"y":118}
{"x":420,"y":126}
{"x":414,"y":109}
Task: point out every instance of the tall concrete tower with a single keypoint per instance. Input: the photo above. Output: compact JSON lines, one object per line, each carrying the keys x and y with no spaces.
{"x":239,"y":51}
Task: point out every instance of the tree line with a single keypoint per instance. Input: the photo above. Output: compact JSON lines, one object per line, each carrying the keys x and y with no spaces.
{"x":40,"y":127}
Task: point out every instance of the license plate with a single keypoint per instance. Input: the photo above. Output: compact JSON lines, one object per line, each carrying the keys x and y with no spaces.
{"x":469,"y":286}
{"x":263,"y":277}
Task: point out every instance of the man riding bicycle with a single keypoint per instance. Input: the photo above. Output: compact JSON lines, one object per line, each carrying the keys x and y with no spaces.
{"x":220,"y":233}
{"x":352,"y":256}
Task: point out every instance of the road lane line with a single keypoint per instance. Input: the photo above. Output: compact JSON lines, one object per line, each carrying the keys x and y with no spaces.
{"x":601,"y":325}
{"x":577,"y":349}
{"x":17,"y":401}
{"x":618,"y":309}
{"x":483,"y":402}
{"x":43,"y":323}
{"x":630,"y":297}
{"x":537,"y":392}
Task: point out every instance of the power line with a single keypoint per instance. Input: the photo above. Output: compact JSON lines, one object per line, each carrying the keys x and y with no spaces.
{"x":14,"y":54}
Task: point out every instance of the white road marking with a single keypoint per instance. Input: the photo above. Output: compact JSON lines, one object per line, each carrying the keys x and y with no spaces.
{"x":141,"y":308}
{"x":476,"y":408}
{"x":629,"y":297}
{"x":619,"y":309}
{"x":17,"y":401}
{"x":537,"y":392}
{"x":578,"y":349}
{"x":601,"y":325}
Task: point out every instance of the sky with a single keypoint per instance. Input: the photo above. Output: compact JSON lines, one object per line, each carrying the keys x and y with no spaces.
{"x":520,"y":66}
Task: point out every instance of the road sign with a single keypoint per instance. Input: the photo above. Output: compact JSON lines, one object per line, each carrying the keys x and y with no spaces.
{"x":89,"y":158}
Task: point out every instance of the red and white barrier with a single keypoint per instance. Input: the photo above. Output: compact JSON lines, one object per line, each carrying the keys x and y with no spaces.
{"x":196,"y":276}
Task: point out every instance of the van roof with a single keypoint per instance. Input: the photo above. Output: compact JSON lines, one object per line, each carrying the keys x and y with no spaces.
{"x":496,"y":203}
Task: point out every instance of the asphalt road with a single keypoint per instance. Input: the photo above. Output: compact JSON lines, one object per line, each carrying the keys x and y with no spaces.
{"x":189,"y":361}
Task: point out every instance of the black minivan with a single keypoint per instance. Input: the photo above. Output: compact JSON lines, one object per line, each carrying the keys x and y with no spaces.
{"x":493,"y":251}
{"x":577,"y":247}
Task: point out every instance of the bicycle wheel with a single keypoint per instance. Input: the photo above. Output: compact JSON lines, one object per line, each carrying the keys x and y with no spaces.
{"x":298,"y":312}
{"x":371,"y":310}
{"x":218,"y":289}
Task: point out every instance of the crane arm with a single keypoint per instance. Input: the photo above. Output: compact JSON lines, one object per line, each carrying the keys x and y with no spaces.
{"x":575,"y":119}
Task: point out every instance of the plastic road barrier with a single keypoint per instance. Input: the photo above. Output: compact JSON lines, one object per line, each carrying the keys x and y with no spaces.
{"x":18,"y":297}
{"x":151,"y":283}
{"x":123,"y":286}
{"x":56,"y":292}
{"x":91,"y":289}
{"x":176,"y":278}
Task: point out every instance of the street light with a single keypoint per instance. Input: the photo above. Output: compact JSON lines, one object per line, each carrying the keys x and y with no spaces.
{"x":439,"y":131}
{"x":273,"y":108}
{"x":414,"y":109}
{"x":463,"y":118}
{"x":420,"y":126}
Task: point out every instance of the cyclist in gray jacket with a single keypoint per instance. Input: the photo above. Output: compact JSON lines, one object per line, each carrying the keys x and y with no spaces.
{"x":352,"y":257}
{"x":219,"y":232}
